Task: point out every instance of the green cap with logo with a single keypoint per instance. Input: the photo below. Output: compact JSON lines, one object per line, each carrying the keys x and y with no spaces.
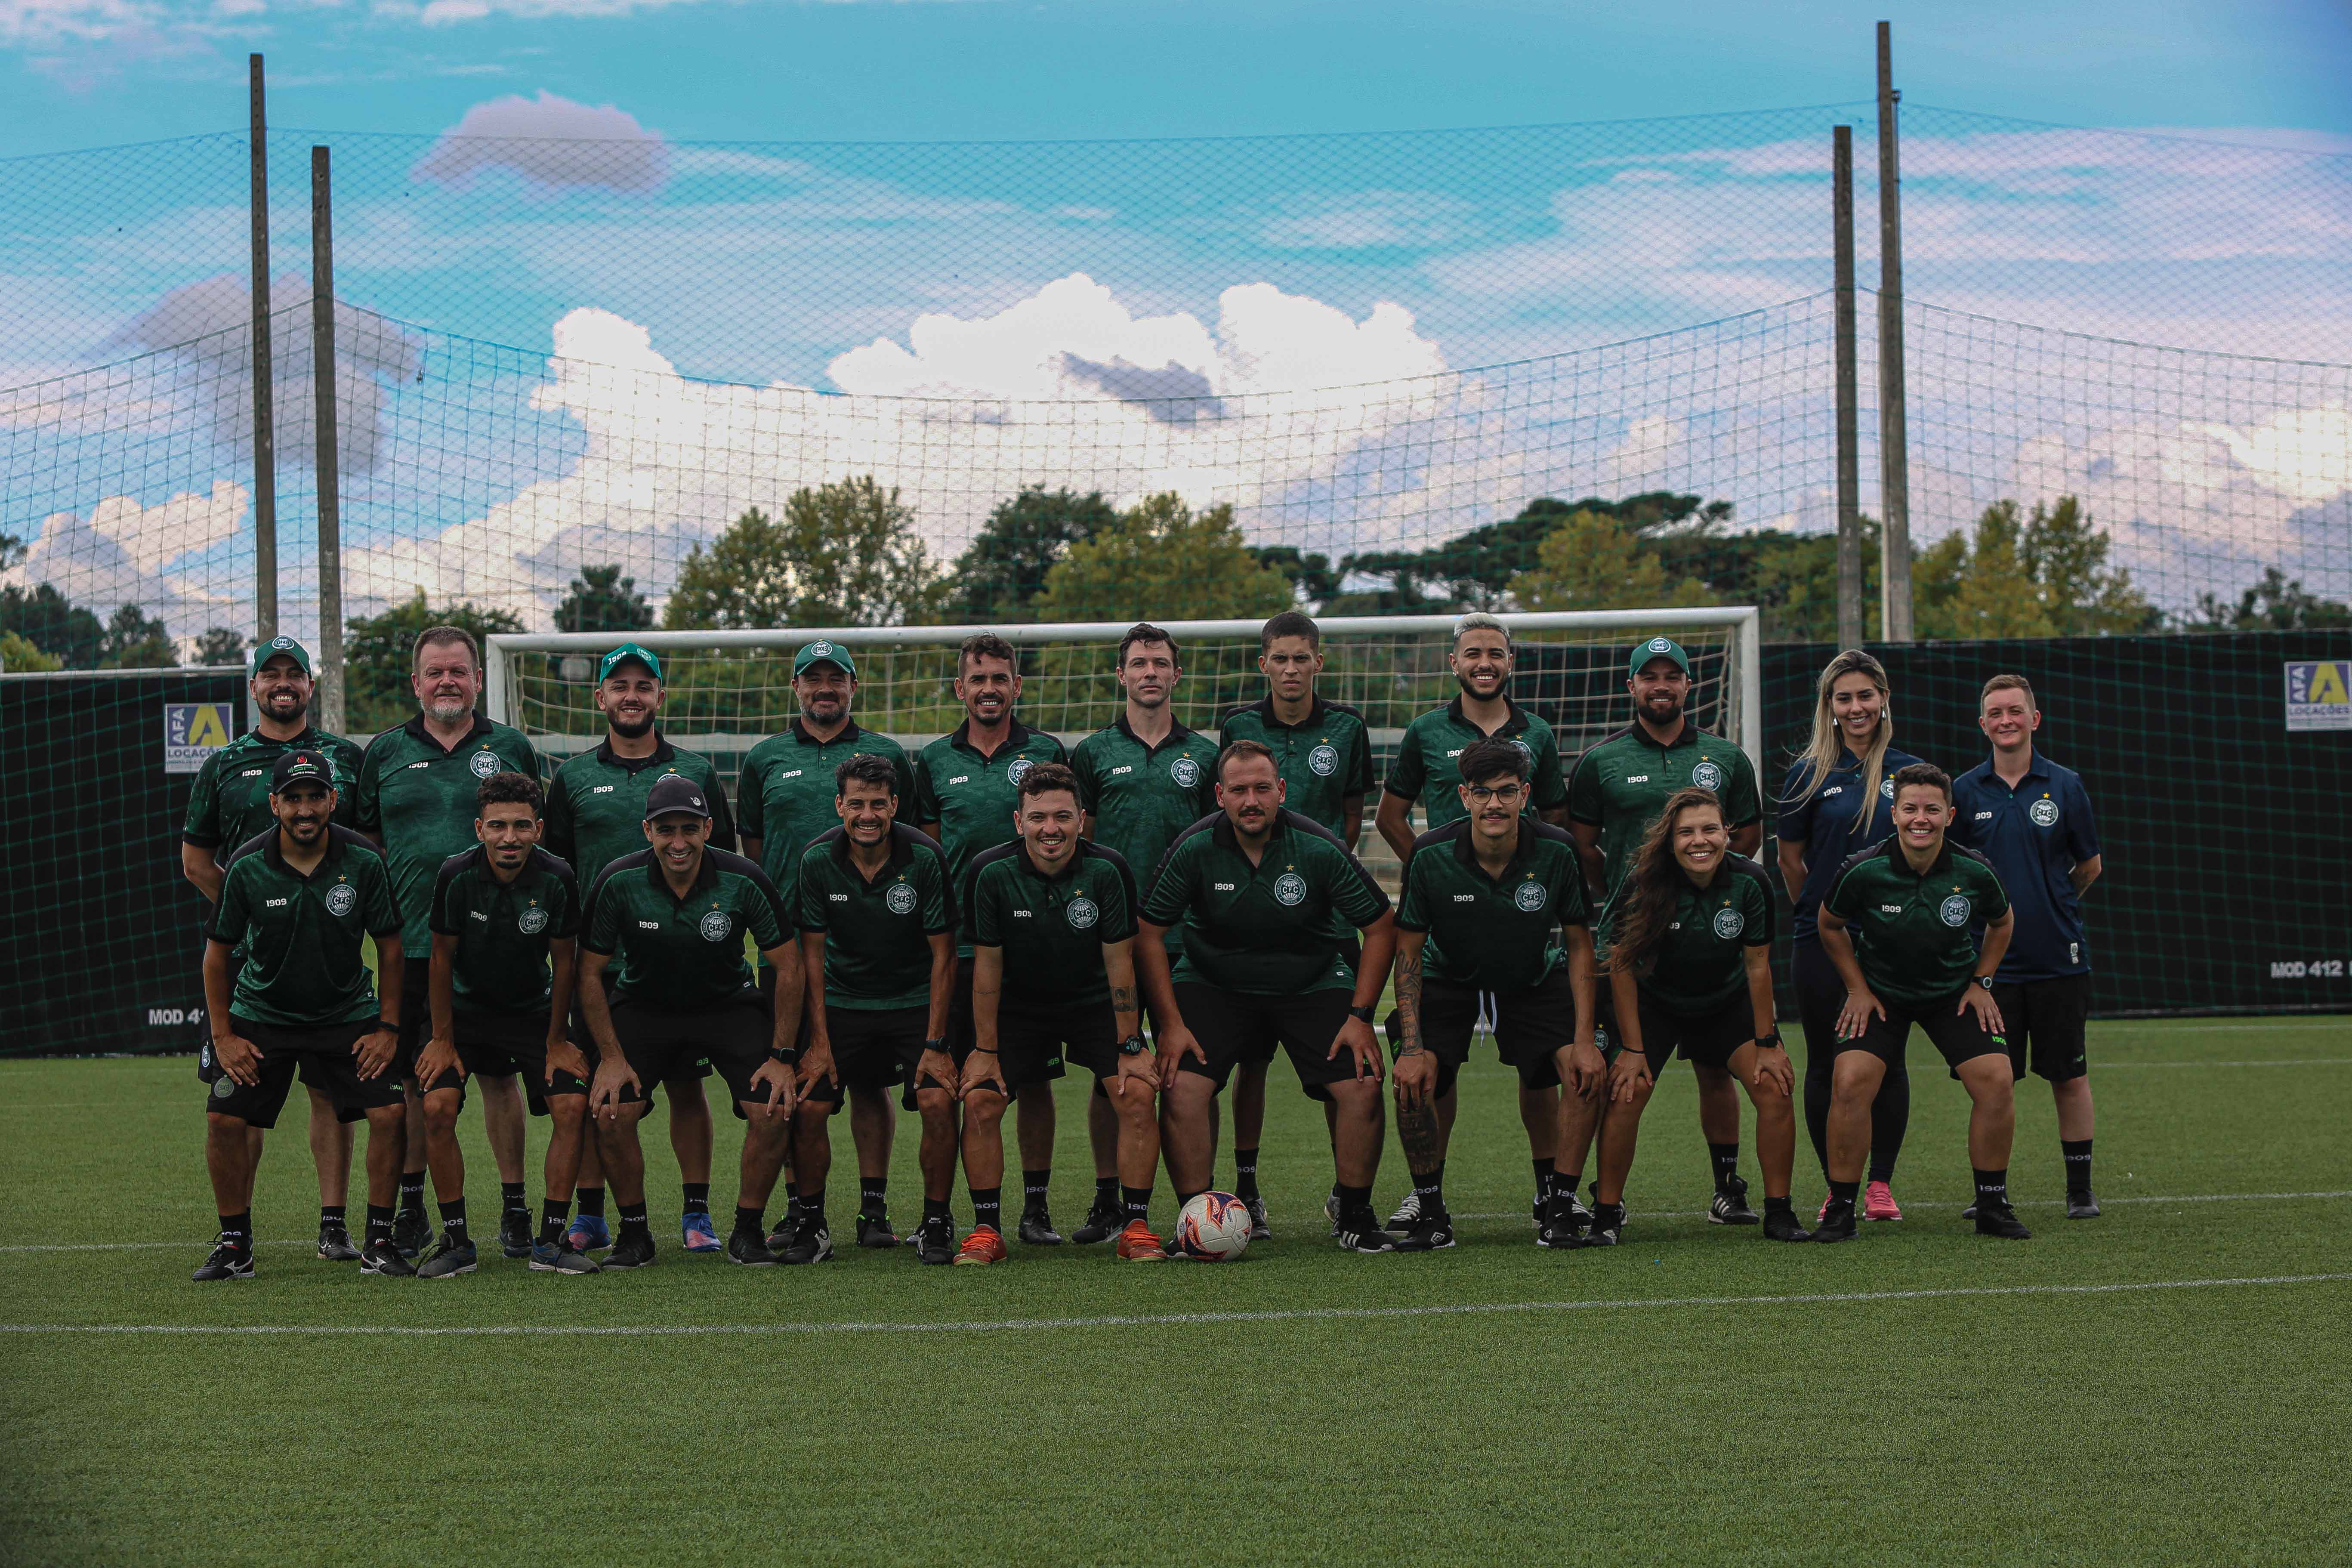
{"x":1657,"y":647}
{"x":824,"y":652}
{"x":622,"y":655}
{"x":262,"y":652}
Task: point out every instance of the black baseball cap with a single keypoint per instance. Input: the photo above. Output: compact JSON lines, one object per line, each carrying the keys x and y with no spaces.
{"x":297,"y":765}
{"x":675,"y":793}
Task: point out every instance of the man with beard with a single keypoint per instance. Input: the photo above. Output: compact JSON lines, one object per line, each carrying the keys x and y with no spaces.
{"x":1613,"y":797}
{"x":230,"y":806}
{"x":967,"y":786}
{"x":1428,"y":769}
{"x":784,"y":798}
{"x":287,"y":990}
{"x":416,"y":799}
{"x":1143,"y":779}
{"x":595,"y":815}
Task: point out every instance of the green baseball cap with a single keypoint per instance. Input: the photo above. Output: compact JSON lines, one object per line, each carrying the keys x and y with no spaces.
{"x":824,"y":652}
{"x":1657,"y":647}
{"x":262,"y":652}
{"x":620,"y":655}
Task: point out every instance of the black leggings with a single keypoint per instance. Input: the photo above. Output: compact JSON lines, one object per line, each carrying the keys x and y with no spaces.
{"x":1820,"y":994}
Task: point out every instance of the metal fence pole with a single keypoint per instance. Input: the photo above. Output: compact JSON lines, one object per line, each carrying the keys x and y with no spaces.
{"x":265,"y":434}
{"x":1893,"y":455}
{"x":1849,"y":435}
{"x":322,"y":374}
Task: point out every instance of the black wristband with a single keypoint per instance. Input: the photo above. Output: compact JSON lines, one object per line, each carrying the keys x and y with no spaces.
{"x":787,"y":1055}
{"x":1363,"y":1014}
{"x":932,"y":1045}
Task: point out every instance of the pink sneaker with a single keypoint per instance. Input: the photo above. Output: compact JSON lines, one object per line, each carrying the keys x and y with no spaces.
{"x":1825,"y":1211}
{"x":1878,"y":1202}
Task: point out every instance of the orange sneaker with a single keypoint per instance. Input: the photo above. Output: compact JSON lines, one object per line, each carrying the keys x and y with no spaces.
{"x":1138,"y":1244}
{"x":982,"y":1245}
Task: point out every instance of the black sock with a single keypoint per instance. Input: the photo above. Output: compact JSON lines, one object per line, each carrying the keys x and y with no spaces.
{"x":1607,"y":1214}
{"x":937,"y":1208}
{"x":1106,"y":1191}
{"x":453,"y":1219}
{"x":1546,"y":1170}
{"x":1844,"y":1192}
{"x":1033,"y":1188}
{"x":236,"y":1229}
{"x":813,"y":1207}
{"x":1565,"y":1182}
{"x":1430,"y":1190}
{"x":698,"y":1196}
{"x":379,"y":1223}
{"x":412,"y":1191}
{"x":987,"y":1208}
{"x":550,"y":1222}
{"x":2077,"y":1152}
{"x":792,"y":1193}
{"x":1135,"y":1203}
{"x":512,"y":1199}
{"x":1244,"y":1173}
{"x":1352,"y":1199}
{"x":751,"y":1219}
{"x":591,"y":1201}
{"x":633,"y":1220}
{"x":332,"y":1214}
{"x":1726,"y":1162}
{"x":873,"y":1196}
{"x":1992,"y":1187}
{"x":1777,"y":1205}
{"x":1183,"y":1198}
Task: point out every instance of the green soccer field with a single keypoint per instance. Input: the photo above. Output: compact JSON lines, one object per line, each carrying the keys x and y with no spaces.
{"x":2172,"y":1382}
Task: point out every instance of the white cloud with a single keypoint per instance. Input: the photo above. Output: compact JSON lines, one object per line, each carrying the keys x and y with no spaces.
{"x":551,"y":142}
{"x":123,"y":552}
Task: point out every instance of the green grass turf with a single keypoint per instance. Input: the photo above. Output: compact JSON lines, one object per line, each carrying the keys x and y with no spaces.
{"x":2147,"y":1425}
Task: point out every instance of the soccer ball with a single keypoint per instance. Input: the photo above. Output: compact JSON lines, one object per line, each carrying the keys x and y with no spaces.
{"x":1213,"y":1228}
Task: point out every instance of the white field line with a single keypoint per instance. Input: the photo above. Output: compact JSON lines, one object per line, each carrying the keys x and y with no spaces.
{"x":1153,"y":1319}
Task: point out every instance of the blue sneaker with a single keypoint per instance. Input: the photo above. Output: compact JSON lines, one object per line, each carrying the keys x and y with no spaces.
{"x":588,"y":1233}
{"x":696,"y":1233}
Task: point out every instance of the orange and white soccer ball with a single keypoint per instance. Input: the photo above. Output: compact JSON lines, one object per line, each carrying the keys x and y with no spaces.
{"x":1213,"y":1228}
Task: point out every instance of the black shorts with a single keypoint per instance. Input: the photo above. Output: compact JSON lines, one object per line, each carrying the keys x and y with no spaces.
{"x":415,"y":1013}
{"x":1706,"y":1040}
{"x":873,"y":1047}
{"x":732,"y":1037}
{"x":1234,"y":1027}
{"x":321,"y":1054}
{"x":2044,"y":1020}
{"x":582,"y":1036}
{"x":1034,"y":1040}
{"x":499,"y":1044}
{"x":1530,"y":1026}
{"x":1260,"y":1052}
{"x":1953,"y":1031}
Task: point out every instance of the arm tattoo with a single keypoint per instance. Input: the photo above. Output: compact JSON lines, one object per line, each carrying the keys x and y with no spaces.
{"x":1122,"y":997}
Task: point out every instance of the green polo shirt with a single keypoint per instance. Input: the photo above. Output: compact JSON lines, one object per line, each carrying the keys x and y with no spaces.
{"x":597,"y":803}
{"x":301,"y":935}
{"x":1428,"y":761}
{"x":684,"y":954}
{"x":1910,"y":931}
{"x":1272,"y":929}
{"x":973,"y":798}
{"x":785,"y":796}
{"x":230,"y":802}
{"x":503,"y":929}
{"x":418,"y":801}
{"x":1701,"y":965}
{"x":1141,"y":797}
{"x":1051,"y":928}
{"x":877,"y":933}
{"x":1492,"y":933}
{"x":1325,"y":759}
{"x":1622,"y":783}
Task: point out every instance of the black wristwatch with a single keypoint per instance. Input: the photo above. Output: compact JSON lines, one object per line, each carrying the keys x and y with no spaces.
{"x":933,"y":1046}
{"x":1985,"y":981}
{"x":1772,"y":1042}
{"x":787,"y":1055}
{"x":1131,"y":1046}
{"x":1361,"y":1014}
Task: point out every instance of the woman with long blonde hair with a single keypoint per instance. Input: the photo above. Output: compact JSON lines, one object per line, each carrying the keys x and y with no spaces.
{"x":1837,"y":801}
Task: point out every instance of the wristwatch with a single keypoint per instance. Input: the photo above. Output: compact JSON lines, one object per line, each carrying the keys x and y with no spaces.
{"x":934,"y":1045}
{"x":1131,"y":1046}
{"x":1985,"y":981}
{"x":1363,"y":1014}
{"x":787,"y":1055}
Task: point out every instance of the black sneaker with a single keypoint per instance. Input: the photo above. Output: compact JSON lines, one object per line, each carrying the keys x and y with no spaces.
{"x":1361,"y":1232}
{"x":514,"y":1232}
{"x":633,"y":1249}
{"x":1331,"y":1210}
{"x":1730,"y":1205}
{"x":560,"y":1256}
{"x":411,"y":1232}
{"x":2082,"y":1206}
{"x":1970,"y":1211}
{"x":874,"y":1231}
{"x":2001,"y":1220}
{"x":1781,"y":1224}
{"x":226,"y":1261}
{"x":1608,"y":1225}
{"x":1406,"y":1212}
{"x":384,"y":1257}
{"x":1837,"y":1222}
{"x":1038,"y":1228}
{"x":935,"y":1241}
{"x":749,"y":1249}
{"x":1103,"y":1222}
{"x":1430,"y":1232}
{"x":811,"y":1242}
{"x":1259,"y":1229}
{"x":335,"y":1242}
{"x":451,"y":1258}
{"x":1564,"y":1222}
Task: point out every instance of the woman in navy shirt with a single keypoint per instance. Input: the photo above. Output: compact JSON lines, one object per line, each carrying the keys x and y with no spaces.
{"x":1848,"y":762}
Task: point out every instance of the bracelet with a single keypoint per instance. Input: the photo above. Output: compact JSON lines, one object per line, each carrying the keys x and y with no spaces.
{"x":1637,"y":1050}
{"x":985,"y":1050}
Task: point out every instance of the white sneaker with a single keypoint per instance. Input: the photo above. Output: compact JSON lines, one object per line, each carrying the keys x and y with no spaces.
{"x":1406,"y":1212}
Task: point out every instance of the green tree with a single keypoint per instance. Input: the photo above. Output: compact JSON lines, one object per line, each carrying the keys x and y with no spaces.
{"x":1593,"y":560}
{"x":841,"y":554}
{"x":2066,"y":556}
{"x":1474,"y":571}
{"x":744,"y":579}
{"x":133,"y":641}
{"x":220,"y":645}
{"x":1001,"y":573}
{"x":602,"y":600}
{"x":2037,"y":576}
{"x":20,"y":657}
{"x":379,"y":653}
{"x":1160,"y":560}
{"x":50,"y":622}
{"x":2274,"y":603}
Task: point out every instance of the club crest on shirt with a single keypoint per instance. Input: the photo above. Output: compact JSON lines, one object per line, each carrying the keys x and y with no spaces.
{"x":1954,"y":910}
{"x":1729,"y":923}
{"x":1185,"y":772}
{"x":1289,"y":889}
{"x":1530,"y":896}
{"x":1886,"y":789}
{"x":1706,"y":776}
{"x":1017,"y":769}
{"x":533,"y":921}
{"x":1323,"y":760}
{"x":2043,"y":812}
{"x":483,"y":763}
{"x":900,"y":900}
{"x":717,"y":925}
{"x":1081,"y":913}
{"x":342,"y":899}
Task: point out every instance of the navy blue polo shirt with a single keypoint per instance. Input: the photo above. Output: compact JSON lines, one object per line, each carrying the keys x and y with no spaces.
{"x":2034,"y":835}
{"x":1824,"y":824}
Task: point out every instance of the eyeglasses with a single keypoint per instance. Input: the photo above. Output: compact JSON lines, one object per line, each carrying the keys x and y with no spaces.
{"x":1506,"y":794}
